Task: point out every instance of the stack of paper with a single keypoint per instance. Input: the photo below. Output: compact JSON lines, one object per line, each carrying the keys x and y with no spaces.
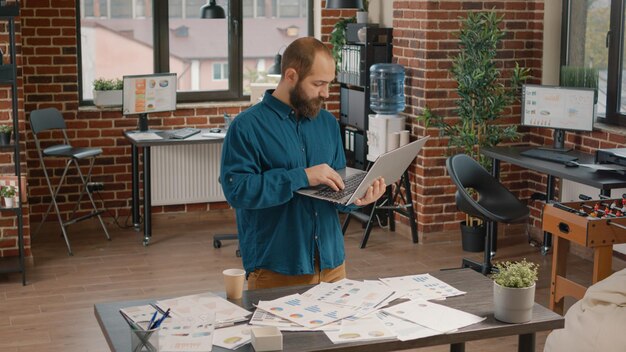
{"x":423,"y":286}
{"x":363,"y":297}
{"x":433,"y":316}
{"x":305,"y":311}
{"x":226,"y":313}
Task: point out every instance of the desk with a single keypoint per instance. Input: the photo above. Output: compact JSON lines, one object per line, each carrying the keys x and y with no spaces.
{"x":145,"y":145}
{"x":478,"y":300}
{"x":604,"y":181}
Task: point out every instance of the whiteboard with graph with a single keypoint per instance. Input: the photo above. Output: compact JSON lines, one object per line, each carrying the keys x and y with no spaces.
{"x":563,"y":108}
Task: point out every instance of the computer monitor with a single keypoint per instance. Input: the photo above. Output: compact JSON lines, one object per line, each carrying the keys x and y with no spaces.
{"x":560,"y":108}
{"x":144,"y":94}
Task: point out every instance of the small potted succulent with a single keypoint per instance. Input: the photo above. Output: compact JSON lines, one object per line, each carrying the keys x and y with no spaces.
{"x":107,"y":92}
{"x":5,"y":134}
{"x":514,"y":291}
{"x":8,"y":193}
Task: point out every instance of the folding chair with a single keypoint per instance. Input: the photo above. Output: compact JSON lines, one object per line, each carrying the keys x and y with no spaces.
{"x":51,"y":120}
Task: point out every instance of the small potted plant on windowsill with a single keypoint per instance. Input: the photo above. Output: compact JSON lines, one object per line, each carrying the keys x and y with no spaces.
{"x":5,"y":134}
{"x":514,"y":291}
{"x":107,"y":92}
{"x":8,"y":193}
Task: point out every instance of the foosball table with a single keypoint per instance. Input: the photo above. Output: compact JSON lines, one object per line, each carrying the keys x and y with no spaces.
{"x":597,"y":224}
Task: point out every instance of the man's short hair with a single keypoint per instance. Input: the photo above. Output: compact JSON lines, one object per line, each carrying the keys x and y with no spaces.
{"x":300,"y":55}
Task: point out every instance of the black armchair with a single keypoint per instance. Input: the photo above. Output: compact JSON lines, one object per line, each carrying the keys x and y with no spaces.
{"x":491,"y":202}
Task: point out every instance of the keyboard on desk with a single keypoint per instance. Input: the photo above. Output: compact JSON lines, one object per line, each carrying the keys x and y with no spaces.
{"x":183,"y":133}
{"x":547,"y":155}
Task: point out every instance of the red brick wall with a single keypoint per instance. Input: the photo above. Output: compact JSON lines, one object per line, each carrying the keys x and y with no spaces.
{"x":424,"y":40}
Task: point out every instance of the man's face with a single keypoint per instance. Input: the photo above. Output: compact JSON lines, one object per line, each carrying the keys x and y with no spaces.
{"x":309,"y":93}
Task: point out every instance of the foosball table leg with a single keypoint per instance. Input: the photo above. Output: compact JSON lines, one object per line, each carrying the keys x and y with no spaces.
{"x":559,"y":268}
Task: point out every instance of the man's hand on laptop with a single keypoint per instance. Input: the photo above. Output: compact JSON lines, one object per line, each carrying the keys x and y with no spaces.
{"x":323,"y":174}
{"x":375,"y":191}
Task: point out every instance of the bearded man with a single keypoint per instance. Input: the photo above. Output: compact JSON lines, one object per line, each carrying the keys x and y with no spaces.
{"x":278,"y":146}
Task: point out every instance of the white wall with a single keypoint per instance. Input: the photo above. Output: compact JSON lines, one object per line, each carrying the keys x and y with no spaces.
{"x":551,"y":42}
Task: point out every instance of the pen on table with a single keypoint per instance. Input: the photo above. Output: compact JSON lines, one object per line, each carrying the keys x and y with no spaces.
{"x":160,"y":321}
{"x":152,"y":319}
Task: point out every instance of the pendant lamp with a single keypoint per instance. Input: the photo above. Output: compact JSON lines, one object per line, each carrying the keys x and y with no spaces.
{"x":212,"y":10}
{"x":344,"y":4}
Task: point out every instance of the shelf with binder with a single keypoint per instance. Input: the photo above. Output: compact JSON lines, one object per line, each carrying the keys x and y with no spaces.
{"x":353,"y":75}
{"x":8,"y":75}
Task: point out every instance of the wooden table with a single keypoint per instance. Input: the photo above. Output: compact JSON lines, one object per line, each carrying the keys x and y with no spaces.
{"x":478,"y":300}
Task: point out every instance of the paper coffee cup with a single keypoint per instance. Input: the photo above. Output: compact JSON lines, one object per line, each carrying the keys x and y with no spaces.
{"x":393,"y":141}
{"x":233,"y":282}
{"x":405,"y":137}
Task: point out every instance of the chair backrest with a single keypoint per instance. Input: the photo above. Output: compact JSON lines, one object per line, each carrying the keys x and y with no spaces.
{"x":46,"y":119}
{"x":492,"y":200}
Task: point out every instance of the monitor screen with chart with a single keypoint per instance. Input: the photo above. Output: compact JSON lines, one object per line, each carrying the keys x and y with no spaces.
{"x":560,"y":108}
{"x":149,"y":93}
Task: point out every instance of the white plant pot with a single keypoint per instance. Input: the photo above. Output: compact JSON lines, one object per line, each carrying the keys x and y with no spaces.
{"x":107,"y":98}
{"x":8,"y":202}
{"x":513,"y":305}
{"x":361,"y":17}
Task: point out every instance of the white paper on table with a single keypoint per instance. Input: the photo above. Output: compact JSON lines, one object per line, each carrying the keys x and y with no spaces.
{"x":263,"y":318}
{"x":195,"y":305}
{"x":363,"y":329}
{"x":422,"y":286}
{"x":350,"y":293}
{"x":140,"y":315}
{"x":404,"y":329}
{"x":188,"y":334}
{"x":433,"y":315}
{"x":145,"y":136}
{"x":232,"y":337}
{"x":305,"y":311}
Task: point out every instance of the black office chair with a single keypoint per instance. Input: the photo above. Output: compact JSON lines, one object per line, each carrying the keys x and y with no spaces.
{"x":490,"y":201}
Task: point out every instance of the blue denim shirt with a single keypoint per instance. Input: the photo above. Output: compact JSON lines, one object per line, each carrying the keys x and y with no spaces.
{"x":263,"y":159}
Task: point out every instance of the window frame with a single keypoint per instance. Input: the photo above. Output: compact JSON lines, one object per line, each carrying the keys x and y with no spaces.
{"x":615,"y":52}
{"x":160,"y":17}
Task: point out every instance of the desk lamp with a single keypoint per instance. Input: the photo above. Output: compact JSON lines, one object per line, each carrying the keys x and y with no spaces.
{"x":344,"y":4}
{"x":212,"y":10}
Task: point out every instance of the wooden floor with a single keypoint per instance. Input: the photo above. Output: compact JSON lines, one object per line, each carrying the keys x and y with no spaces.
{"x":54,"y":311}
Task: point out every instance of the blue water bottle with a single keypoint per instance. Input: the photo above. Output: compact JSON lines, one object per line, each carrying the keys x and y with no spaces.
{"x":387,"y":88}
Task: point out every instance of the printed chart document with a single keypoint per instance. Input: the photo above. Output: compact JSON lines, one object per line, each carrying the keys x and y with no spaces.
{"x":422,"y":286}
{"x":138,"y":316}
{"x":404,"y":329}
{"x":358,"y":295}
{"x":187,"y":333}
{"x":363,"y":329}
{"x":433,"y":316}
{"x":263,"y":318}
{"x":232,"y":337}
{"x":305,"y":311}
{"x":226,"y":313}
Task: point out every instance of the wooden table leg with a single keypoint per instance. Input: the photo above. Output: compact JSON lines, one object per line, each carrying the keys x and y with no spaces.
{"x":602,"y":261}
{"x":559,"y":268}
{"x":457,"y":347}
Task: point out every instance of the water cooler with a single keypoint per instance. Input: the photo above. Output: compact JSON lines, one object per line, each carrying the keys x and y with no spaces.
{"x":387,"y":100}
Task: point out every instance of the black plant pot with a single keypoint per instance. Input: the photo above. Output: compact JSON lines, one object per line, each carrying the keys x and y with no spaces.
{"x":473,"y":237}
{"x":5,"y":138}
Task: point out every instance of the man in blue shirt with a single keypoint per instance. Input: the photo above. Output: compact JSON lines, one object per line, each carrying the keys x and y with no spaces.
{"x":282,"y":144}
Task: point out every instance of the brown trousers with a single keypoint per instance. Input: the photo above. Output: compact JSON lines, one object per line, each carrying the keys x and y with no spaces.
{"x":262,"y":278}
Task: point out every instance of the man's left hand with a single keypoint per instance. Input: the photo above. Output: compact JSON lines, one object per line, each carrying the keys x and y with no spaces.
{"x":375,"y":191}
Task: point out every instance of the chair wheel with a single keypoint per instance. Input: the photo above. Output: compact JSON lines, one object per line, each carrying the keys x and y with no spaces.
{"x":238,"y":253}
{"x":217,"y":244}
{"x":544,"y":250}
{"x":146,"y":241}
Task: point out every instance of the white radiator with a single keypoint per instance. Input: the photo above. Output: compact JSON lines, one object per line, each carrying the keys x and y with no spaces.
{"x":186,"y":174}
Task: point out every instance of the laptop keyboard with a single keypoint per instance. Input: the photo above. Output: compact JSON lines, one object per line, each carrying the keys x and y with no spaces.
{"x":183,"y":133}
{"x":351,"y":184}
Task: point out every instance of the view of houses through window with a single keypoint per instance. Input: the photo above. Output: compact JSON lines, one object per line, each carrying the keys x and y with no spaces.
{"x":117,"y":39}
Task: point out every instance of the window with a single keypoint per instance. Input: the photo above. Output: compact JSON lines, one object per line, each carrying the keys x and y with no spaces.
{"x":220,"y":71}
{"x":594,"y":38}
{"x":215,"y":59}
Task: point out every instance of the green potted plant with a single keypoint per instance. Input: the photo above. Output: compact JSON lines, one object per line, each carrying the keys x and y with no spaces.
{"x":483,"y":96}
{"x":338,"y":38}
{"x":8,"y":193}
{"x":5,"y":134}
{"x":107,"y":92}
{"x":514,"y":286}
